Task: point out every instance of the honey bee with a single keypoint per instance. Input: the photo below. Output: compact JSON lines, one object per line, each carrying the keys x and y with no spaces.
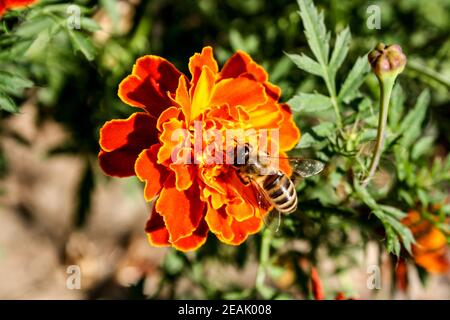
{"x":273,"y":187}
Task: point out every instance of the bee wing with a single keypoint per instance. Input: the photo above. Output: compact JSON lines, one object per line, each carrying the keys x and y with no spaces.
{"x":306,"y":167}
{"x":261,"y":197}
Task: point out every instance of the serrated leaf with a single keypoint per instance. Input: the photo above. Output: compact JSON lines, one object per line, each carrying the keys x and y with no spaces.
{"x":410,"y":127}
{"x":305,"y":63}
{"x":398,"y":214}
{"x":12,"y":82}
{"x":354,"y":80}
{"x":340,"y":51}
{"x":83,"y":44}
{"x":7,"y":104}
{"x":315,"y":30}
{"x":310,"y":102}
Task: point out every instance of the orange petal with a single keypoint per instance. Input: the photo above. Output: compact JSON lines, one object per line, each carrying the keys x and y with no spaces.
{"x":240,"y":91}
{"x":166,"y":115}
{"x":194,"y":241}
{"x":242,"y":229}
{"x":183,"y":99}
{"x":174,"y":137}
{"x":201,"y":94}
{"x":184,"y":175}
{"x":156,"y":230}
{"x":219,"y":223}
{"x":135,"y":133}
{"x":181,"y":211}
{"x":149,"y":171}
{"x":265,"y":116}
{"x":198,"y":60}
{"x":239,"y":210}
{"x":241,"y":63}
{"x":289,"y":132}
{"x":147,"y":86}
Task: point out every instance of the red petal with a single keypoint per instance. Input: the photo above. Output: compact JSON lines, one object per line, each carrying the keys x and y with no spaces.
{"x":135,"y":133}
{"x":157,"y":233}
{"x":118,"y":163}
{"x":194,"y":241}
{"x":147,"y":86}
{"x":241,"y":63}
{"x":182,"y":211}
{"x":149,"y":171}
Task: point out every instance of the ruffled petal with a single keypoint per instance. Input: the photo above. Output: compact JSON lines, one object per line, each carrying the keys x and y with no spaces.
{"x":181,"y":211}
{"x":219,"y":222}
{"x":156,"y":230}
{"x":241,"y":63}
{"x":135,"y":133}
{"x":121,"y":142}
{"x":149,"y":171}
{"x":166,"y":115}
{"x":118,"y":163}
{"x":198,"y":60}
{"x":242,"y":229}
{"x":194,"y":241}
{"x":239,"y":91}
{"x":174,"y":137}
{"x":289,"y":132}
{"x":147,"y":86}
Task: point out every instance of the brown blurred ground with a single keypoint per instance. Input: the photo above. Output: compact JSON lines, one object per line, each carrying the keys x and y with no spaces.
{"x":38,"y":241}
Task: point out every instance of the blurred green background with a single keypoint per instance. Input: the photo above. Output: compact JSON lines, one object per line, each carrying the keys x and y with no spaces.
{"x":76,"y":76}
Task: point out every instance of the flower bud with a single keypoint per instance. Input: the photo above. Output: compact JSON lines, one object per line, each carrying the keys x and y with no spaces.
{"x":387,"y":60}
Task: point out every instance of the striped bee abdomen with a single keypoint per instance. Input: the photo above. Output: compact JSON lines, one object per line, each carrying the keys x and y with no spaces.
{"x":281,"y":191}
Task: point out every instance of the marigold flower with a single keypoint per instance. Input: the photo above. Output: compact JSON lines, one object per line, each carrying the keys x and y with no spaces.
{"x":6,"y":5}
{"x":194,"y":198}
{"x":430,"y":250}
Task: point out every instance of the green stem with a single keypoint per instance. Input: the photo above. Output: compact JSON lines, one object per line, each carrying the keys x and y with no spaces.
{"x":332,"y":91}
{"x":264,"y":256}
{"x":386,"y":86}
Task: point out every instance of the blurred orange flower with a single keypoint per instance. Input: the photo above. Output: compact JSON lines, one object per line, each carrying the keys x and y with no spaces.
{"x":11,"y":4}
{"x":431,"y":249}
{"x":193,"y":199}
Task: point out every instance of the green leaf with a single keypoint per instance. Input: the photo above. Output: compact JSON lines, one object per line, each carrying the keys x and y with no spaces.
{"x":306,"y":63}
{"x":397,"y":107}
{"x":310,"y":102}
{"x":325,"y":129}
{"x":340,"y":50}
{"x":83,"y":44}
{"x":315,"y":31}
{"x":89,"y":25}
{"x":398,"y":214}
{"x":306,"y":141}
{"x":354,"y":80}
{"x":410,"y":127}
{"x":422,"y":147}
{"x":12,"y":82}
{"x":7,"y":104}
